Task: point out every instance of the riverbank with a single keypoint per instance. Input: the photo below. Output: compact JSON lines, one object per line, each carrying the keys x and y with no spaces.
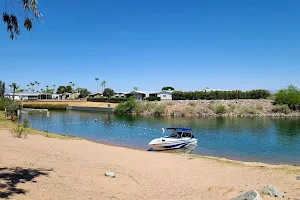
{"x":74,"y":169}
{"x":204,"y":108}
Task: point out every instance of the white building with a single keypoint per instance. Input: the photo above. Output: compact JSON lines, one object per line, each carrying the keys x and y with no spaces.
{"x":32,"y":96}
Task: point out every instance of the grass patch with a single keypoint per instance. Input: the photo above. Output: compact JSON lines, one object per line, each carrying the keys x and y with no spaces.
{"x":220,"y":109}
{"x":46,"y":106}
{"x":192,"y":103}
{"x":281,"y":109}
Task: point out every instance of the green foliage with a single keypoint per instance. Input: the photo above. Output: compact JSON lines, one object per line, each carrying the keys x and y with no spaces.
{"x":2,"y":89}
{"x":289,"y":96}
{"x":151,"y":98}
{"x":46,"y":106}
{"x":215,"y":95}
{"x":19,"y":131}
{"x":25,"y":123}
{"x":281,"y":109}
{"x":109,"y":100}
{"x":108,"y":92}
{"x":69,"y":89}
{"x":220,"y":109}
{"x":29,"y":9}
{"x":12,"y":108}
{"x":126,"y":107}
{"x":159,"y":109}
{"x":83,"y":92}
{"x":167,"y":88}
{"x":61,"y":90}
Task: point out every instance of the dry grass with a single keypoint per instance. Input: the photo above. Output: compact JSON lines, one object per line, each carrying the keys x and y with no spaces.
{"x":10,"y":125}
{"x":74,"y":103}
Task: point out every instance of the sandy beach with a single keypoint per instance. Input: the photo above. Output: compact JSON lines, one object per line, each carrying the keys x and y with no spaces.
{"x":38,"y":167}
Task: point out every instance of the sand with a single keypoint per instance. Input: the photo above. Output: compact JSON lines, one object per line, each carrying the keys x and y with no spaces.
{"x":51,"y":168}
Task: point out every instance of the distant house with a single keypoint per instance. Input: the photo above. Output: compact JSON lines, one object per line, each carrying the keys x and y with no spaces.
{"x":121,"y":94}
{"x":28,"y":96}
{"x":96,"y":95}
{"x":165,"y":95}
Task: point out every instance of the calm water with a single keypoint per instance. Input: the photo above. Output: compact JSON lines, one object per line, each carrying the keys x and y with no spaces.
{"x":269,"y":140}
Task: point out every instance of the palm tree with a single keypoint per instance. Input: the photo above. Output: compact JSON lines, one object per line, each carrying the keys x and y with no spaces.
{"x":47,"y":87}
{"x":32,"y":84}
{"x":103,"y":85}
{"x":38,"y":87}
{"x":28,"y":87}
{"x":35,"y":82}
{"x":54,"y":88}
{"x":14,"y":87}
{"x":73,"y":87}
{"x":135,"y":88}
{"x":97,"y":79}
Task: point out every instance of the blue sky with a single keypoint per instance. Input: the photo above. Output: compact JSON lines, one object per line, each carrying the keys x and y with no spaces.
{"x":189,"y":45}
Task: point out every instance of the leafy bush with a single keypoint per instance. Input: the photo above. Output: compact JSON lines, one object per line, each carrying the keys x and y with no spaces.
{"x":126,"y":107}
{"x":220,"y":109}
{"x":108,"y":92}
{"x":25,"y":123}
{"x":289,"y":96}
{"x":46,"y":106}
{"x":281,"y":109}
{"x":12,"y":108}
{"x":159,"y":109}
{"x":215,"y":95}
{"x":153,"y":98}
{"x":19,"y":132}
{"x":109,"y":100}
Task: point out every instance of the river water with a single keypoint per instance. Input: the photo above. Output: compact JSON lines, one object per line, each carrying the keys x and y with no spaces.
{"x":263,"y":139}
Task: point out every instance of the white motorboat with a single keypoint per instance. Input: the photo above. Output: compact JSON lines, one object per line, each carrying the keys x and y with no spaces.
{"x":174,"y":138}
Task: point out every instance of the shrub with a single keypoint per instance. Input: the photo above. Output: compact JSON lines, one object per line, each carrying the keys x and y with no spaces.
{"x":25,"y":123}
{"x":159,"y":109}
{"x":46,"y":106}
{"x":259,"y":107}
{"x":109,"y":100}
{"x":19,"y":132}
{"x":281,"y":109}
{"x":220,"y":109}
{"x":289,"y":96}
{"x":108,"y":92}
{"x":12,"y":108}
{"x":153,"y":98}
{"x":126,"y":107}
{"x":231,"y":106}
{"x":247,"y":110}
{"x":214,"y":95}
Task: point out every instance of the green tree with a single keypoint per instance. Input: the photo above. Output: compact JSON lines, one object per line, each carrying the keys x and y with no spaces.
{"x":12,"y":107}
{"x":14,"y":87}
{"x":167,"y":88}
{"x":11,"y":18}
{"x":135,"y":88}
{"x":97,"y":79}
{"x":69,"y":88}
{"x":103,"y":85}
{"x":2,"y":89}
{"x":61,"y":90}
{"x":83,"y":92}
{"x":108,"y":92}
{"x":289,"y":96}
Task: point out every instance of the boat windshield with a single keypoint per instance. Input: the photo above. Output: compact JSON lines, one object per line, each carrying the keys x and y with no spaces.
{"x":175,"y":133}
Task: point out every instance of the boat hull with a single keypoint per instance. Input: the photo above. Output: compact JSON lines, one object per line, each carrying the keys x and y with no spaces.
{"x":171,"y":143}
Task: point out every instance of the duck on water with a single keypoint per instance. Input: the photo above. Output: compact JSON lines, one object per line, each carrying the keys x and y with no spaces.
{"x":174,"y":138}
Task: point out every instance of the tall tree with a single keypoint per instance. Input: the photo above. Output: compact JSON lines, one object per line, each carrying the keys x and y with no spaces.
{"x":167,"y":88}
{"x":2,"y":89}
{"x":38,"y":86}
{"x":54,"y":88}
{"x":29,"y":9}
{"x":108,"y":92}
{"x":35,"y":82}
{"x":47,"y":88}
{"x":103,"y":85}
{"x":32,"y":85}
{"x":135,"y":88}
{"x":97,"y":79}
{"x":28,"y":87}
{"x":14,"y":87}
